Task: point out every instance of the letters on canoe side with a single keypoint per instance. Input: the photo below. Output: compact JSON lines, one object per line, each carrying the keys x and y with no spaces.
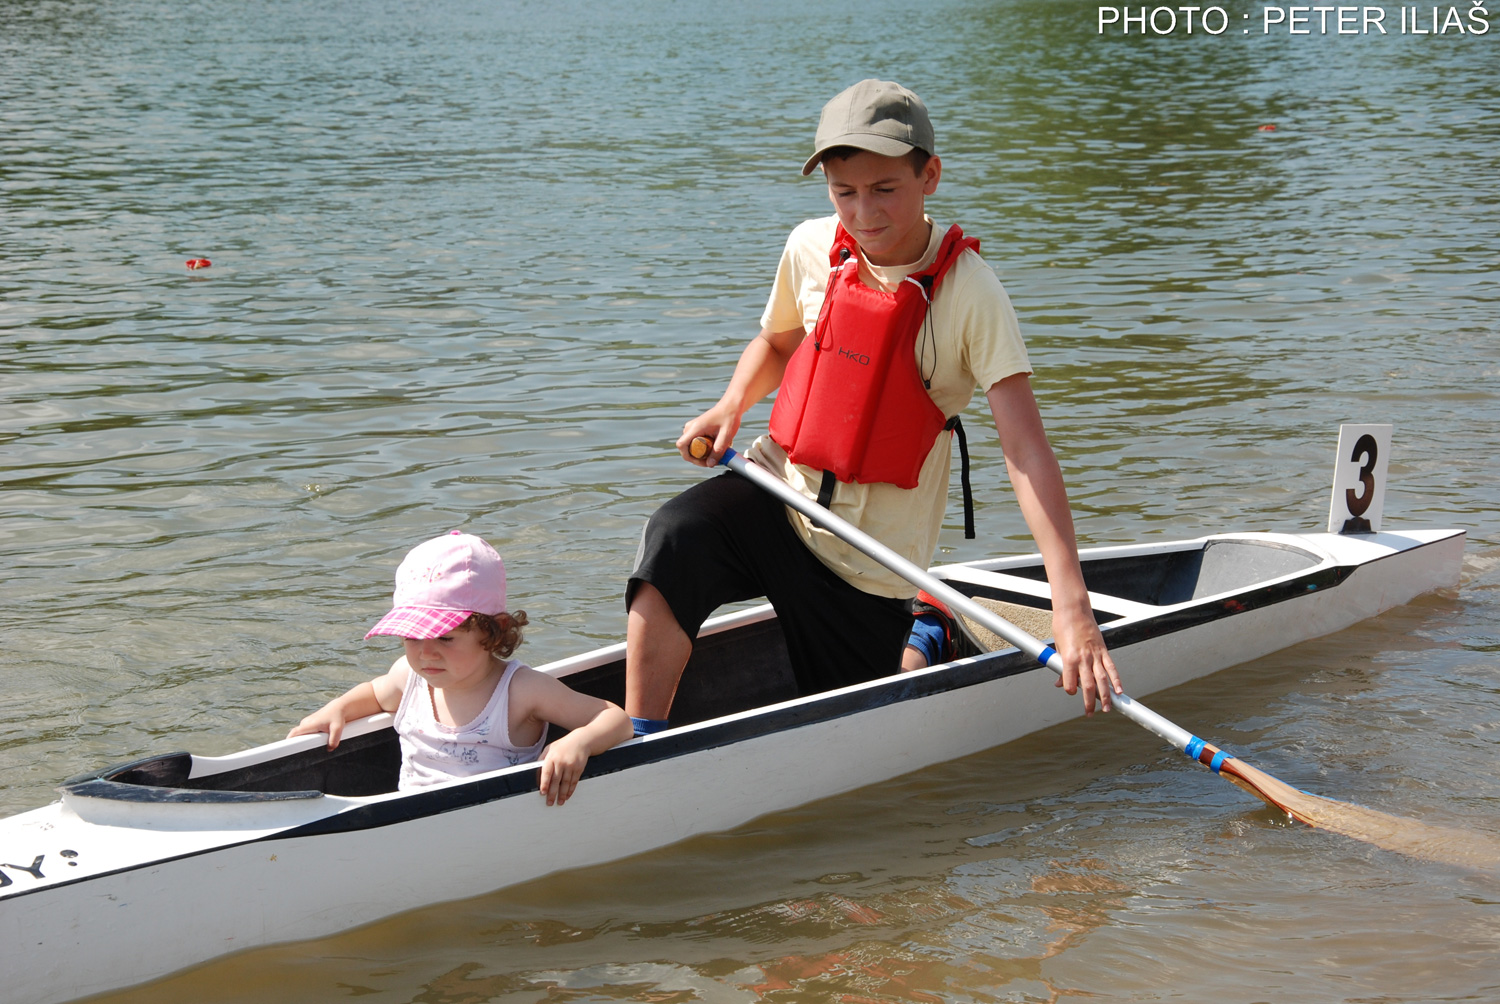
{"x":35,"y":868}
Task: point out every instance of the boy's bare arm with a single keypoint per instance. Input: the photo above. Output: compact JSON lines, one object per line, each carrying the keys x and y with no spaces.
{"x":595,"y":725}
{"x":1038,"y":483}
{"x":759,"y":371}
{"x":371,"y":697}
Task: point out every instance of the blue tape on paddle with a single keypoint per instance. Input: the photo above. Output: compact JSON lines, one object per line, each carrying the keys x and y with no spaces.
{"x":1218,"y":761}
{"x":1194,"y":747}
{"x":1046,"y":655}
{"x":729,"y":455}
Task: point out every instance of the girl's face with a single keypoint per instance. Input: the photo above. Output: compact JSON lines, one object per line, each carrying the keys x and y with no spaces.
{"x":456,"y":659}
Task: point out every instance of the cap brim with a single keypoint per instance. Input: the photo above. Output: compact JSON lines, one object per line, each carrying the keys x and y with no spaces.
{"x":419,"y":622}
{"x":886,"y":146}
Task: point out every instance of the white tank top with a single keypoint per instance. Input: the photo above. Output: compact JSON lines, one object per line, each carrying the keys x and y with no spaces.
{"x":432,"y":752}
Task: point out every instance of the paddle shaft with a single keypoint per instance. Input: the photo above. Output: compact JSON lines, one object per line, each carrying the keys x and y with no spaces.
{"x":921,"y":578}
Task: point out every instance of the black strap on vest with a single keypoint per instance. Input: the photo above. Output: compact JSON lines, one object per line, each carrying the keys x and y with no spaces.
{"x":957,"y":426}
{"x":825,"y":489}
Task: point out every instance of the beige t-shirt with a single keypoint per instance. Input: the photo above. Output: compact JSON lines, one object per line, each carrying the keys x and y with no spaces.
{"x":976,"y":343}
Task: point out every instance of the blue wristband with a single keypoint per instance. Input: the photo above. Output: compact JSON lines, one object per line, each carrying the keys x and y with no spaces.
{"x":927,"y":636}
{"x":646,"y":726}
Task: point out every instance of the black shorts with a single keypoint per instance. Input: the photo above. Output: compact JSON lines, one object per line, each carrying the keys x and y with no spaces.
{"x":725,"y":540}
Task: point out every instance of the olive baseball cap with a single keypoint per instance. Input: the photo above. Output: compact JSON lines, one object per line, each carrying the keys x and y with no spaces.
{"x":876,"y":115}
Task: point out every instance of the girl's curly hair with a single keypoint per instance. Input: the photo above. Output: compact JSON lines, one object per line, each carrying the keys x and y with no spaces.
{"x":499,"y":633}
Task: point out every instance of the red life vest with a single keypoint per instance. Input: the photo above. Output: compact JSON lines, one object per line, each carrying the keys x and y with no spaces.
{"x":852,"y":401}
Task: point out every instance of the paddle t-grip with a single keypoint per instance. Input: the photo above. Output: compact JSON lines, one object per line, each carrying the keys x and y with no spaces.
{"x":701,"y":447}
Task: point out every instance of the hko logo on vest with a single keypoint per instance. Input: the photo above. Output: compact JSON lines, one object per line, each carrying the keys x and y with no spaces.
{"x":858,"y":357}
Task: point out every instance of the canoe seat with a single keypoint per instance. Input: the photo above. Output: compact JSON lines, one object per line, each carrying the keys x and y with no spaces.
{"x":1025,"y":592}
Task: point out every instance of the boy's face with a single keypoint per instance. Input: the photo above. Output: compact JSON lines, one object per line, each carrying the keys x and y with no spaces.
{"x":879,"y":200}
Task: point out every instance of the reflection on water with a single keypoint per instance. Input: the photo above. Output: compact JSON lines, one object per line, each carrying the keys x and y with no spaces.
{"x":474,"y":264}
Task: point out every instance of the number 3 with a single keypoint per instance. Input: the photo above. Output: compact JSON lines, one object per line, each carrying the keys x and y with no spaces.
{"x":1358,"y":503}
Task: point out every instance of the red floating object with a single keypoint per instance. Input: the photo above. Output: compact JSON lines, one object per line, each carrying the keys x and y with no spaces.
{"x":1268,"y":127}
{"x":197,"y":263}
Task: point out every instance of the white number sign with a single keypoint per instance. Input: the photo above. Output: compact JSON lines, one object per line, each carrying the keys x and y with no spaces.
{"x":1359,"y":479}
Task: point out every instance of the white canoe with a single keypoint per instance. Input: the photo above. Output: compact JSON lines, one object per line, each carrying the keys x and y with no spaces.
{"x":148,"y":867}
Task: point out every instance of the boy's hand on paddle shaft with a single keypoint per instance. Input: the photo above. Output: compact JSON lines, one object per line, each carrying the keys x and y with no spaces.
{"x":1087,"y":665}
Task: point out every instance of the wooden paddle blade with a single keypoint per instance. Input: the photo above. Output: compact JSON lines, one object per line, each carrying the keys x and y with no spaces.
{"x":1411,"y":837}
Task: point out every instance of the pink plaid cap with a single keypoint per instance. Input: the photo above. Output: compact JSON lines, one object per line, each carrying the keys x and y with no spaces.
{"x":440,"y":583}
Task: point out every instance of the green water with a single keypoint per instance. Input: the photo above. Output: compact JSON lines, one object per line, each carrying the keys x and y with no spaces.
{"x":475,"y":263}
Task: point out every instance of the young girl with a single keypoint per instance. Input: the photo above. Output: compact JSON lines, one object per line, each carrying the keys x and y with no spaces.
{"x":461,"y":706}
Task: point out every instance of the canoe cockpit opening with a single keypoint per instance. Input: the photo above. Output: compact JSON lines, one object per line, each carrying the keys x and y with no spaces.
{"x":362,"y":765}
{"x":1164,"y":578}
{"x":741,"y":666}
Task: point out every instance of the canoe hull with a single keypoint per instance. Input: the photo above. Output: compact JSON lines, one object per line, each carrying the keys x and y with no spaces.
{"x":245,"y":888}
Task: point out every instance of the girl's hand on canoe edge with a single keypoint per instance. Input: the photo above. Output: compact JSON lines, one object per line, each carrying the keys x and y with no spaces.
{"x":562,"y":766}
{"x":326,"y":719}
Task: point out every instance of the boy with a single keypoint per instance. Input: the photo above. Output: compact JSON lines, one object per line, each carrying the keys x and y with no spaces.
{"x":905,"y":322}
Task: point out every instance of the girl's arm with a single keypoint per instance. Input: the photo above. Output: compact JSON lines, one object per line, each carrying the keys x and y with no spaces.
{"x":371,"y":697}
{"x":1038,"y":483}
{"x":596,"y":725}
